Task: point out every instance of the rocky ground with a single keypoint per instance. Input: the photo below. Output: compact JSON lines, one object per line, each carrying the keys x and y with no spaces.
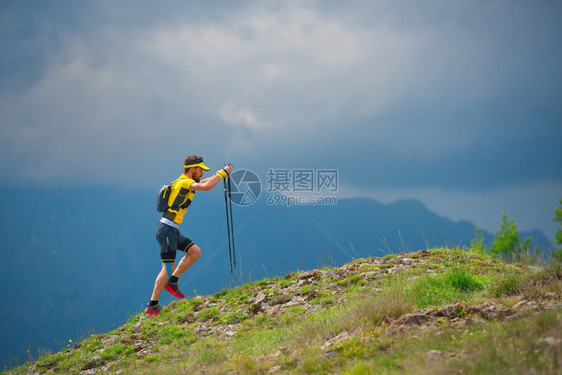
{"x":301,"y":290}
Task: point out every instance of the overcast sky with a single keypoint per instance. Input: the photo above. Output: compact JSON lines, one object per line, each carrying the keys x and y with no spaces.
{"x":458,"y":104}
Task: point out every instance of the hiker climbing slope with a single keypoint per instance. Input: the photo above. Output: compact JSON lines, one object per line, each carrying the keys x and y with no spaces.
{"x":181,"y":193}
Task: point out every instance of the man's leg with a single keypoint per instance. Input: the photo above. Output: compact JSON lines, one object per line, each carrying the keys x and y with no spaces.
{"x":193,"y":253}
{"x":153,"y":307}
{"x":167,"y":238}
{"x":161,"y":281}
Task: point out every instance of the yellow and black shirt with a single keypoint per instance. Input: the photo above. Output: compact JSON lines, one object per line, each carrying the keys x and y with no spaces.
{"x":180,"y":198}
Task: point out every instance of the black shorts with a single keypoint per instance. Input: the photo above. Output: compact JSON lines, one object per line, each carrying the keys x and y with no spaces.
{"x":170,"y":239}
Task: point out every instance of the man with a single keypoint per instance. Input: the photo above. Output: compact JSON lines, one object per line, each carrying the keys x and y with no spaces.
{"x":167,"y":233}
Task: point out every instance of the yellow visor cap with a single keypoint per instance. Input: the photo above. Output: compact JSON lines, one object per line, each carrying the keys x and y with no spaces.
{"x":200,"y":164}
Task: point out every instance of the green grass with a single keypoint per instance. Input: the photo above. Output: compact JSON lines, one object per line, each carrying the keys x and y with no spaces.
{"x":337,"y":324}
{"x":457,"y":283}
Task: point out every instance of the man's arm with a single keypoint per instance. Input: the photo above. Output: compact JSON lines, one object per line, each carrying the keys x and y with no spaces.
{"x":211,"y":182}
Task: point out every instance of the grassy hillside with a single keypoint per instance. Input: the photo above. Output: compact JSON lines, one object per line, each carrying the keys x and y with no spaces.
{"x":438,"y":312}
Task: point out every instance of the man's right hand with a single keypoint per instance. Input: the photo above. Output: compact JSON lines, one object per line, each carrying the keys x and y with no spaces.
{"x":223,"y":173}
{"x":228,"y":168}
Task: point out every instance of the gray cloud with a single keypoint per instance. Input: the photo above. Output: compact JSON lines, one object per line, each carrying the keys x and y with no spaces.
{"x":107,"y":92}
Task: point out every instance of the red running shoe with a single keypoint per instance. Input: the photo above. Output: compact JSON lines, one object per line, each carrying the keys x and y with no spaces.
{"x":174,"y":289}
{"x":152,"y":310}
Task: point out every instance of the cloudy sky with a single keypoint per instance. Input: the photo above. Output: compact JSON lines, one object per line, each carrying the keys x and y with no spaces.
{"x":458,"y":104}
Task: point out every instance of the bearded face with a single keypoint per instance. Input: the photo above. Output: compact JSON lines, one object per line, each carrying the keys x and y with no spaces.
{"x":197,"y":174}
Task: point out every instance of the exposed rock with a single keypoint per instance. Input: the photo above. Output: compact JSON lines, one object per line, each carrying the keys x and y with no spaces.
{"x":449,"y":312}
{"x":140,"y":345}
{"x":202,"y":329}
{"x":388,"y":261}
{"x":273,"y":311}
{"x":505,"y":314}
{"x":295,"y":301}
{"x":334,"y":341}
{"x":312,"y":274}
{"x":548,"y":342}
{"x":460,"y":323}
{"x":281,"y":299}
{"x":96,"y":361}
{"x":344,"y":272}
{"x":487,"y":310}
{"x":259,"y":303}
{"x":275,"y":369}
{"x":463,"y":305}
{"x":407,"y":261}
{"x":187,"y":319}
{"x":385,"y":320}
{"x":411,"y":319}
{"x":331,"y":355}
{"x":436,"y":355}
{"x":260,"y":297}
{"x":370,"y":274}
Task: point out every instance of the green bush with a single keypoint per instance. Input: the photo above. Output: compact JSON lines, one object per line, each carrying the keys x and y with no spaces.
{"x":208,"y":313}
{"x":233,"y":317}
{"x":432,"y":291}
{"x":463,"y":280}
{"x":507,"y":242}
{"x":558,"y":219}
{"x":477,"y":243}
{"x":444,"y":288}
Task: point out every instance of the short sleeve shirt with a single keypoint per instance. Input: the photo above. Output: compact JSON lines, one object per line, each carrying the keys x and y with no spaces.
{"x":180,"y":199}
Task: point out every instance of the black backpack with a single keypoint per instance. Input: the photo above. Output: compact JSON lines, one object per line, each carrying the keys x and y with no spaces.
{"x":162,"y":198}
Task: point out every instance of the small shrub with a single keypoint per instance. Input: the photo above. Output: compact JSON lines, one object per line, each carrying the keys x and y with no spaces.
{"x":463,"y":280}
{"x":306,"y":289}
{"x":353,"y":279}
{"x":323,"y":299}
{"x":284,"y":283}
{"x":233,"y":317}
{"x":506,"y":240}
{"x":112,"y":352}
{"x":260,"y":283}
{"x":171,"y":333}
{"x":432,"y":290}
{"x":478,"y":242}
{"x":220,"y":294}
{"x":196,"y":302}
{"x":558,"y":218}
{"x":152,"y":358}
{"x":208,"y":313}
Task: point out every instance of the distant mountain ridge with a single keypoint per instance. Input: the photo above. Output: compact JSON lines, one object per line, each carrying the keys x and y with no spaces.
{"x":79,"y":260}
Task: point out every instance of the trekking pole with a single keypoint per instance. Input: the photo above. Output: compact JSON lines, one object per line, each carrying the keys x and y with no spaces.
{"x":227,"y":223}
{"x":231,"y":221}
